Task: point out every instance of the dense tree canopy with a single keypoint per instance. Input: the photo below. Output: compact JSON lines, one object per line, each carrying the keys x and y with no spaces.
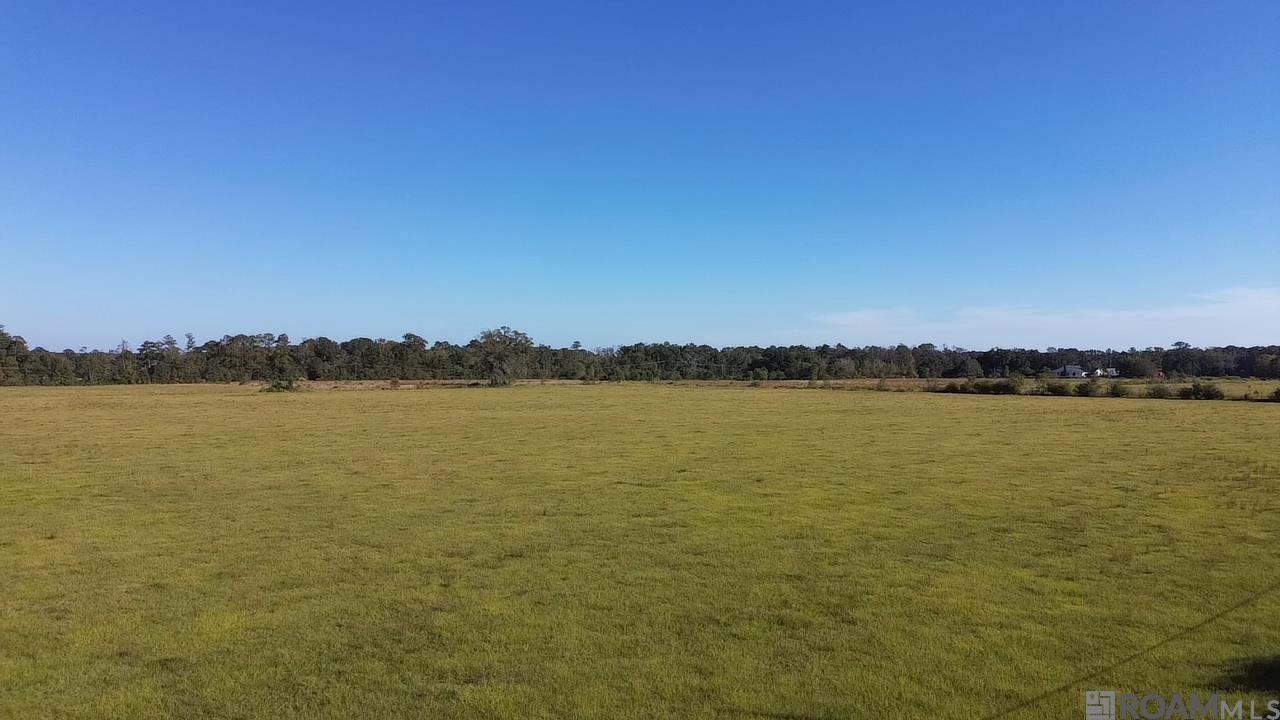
{"x":503,"y":355}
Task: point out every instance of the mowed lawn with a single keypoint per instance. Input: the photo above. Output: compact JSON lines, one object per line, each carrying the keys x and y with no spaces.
{"x":633,"y":551}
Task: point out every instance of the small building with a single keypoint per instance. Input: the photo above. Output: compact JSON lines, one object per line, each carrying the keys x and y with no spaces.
{"x":1069,"y":371}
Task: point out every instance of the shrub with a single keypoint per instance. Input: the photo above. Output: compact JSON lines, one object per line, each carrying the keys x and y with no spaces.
{"x":995,"y":387}
{"x":981,"y":387}
{"x":286,"y":385}
{"x":1159,"y":391}
{"x":1089,"y":388}
{"x":1008,"y":386}
{"x":1275,"y":396}
{"x":1201,"y":391}
{"x":1059,"y":388}
{"x":1118,"y":390}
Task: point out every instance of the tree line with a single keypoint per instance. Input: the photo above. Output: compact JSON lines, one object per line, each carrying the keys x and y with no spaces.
{"x":503,"y":355}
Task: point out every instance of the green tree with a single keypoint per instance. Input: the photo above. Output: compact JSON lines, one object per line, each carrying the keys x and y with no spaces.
{"x":13,"y":353}
{"x":502,"y":354}
{"x":1136,"y":365}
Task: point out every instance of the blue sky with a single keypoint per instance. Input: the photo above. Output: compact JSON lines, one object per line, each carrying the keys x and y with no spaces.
{"x":977,"y":174}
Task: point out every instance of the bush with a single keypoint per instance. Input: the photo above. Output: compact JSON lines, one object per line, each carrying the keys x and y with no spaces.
{"x":1275,"y":396}
{"x":980,"y":387}
{"x":286,"y":385}
{"x":1059,"y":388}
{"x":1089,"y":388}
{"x":1009,"y":386}
{"x":1208,"y":391}
{"x":1201,"y":391}
{"x":1118,"y":390}
{"x":995,"y":387}
{"x":1159,"y":391}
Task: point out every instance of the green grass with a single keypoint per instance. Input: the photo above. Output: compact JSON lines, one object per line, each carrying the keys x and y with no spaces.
{"x":625,"y":551}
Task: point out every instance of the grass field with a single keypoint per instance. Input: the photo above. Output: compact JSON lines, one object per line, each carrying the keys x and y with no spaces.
{"x":633,"y":551}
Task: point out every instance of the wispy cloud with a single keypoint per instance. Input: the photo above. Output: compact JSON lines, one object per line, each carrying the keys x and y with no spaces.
{"x":1239,"y":316}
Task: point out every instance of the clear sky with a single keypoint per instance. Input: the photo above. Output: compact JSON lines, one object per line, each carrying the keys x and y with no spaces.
{"x":996,"y":173}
